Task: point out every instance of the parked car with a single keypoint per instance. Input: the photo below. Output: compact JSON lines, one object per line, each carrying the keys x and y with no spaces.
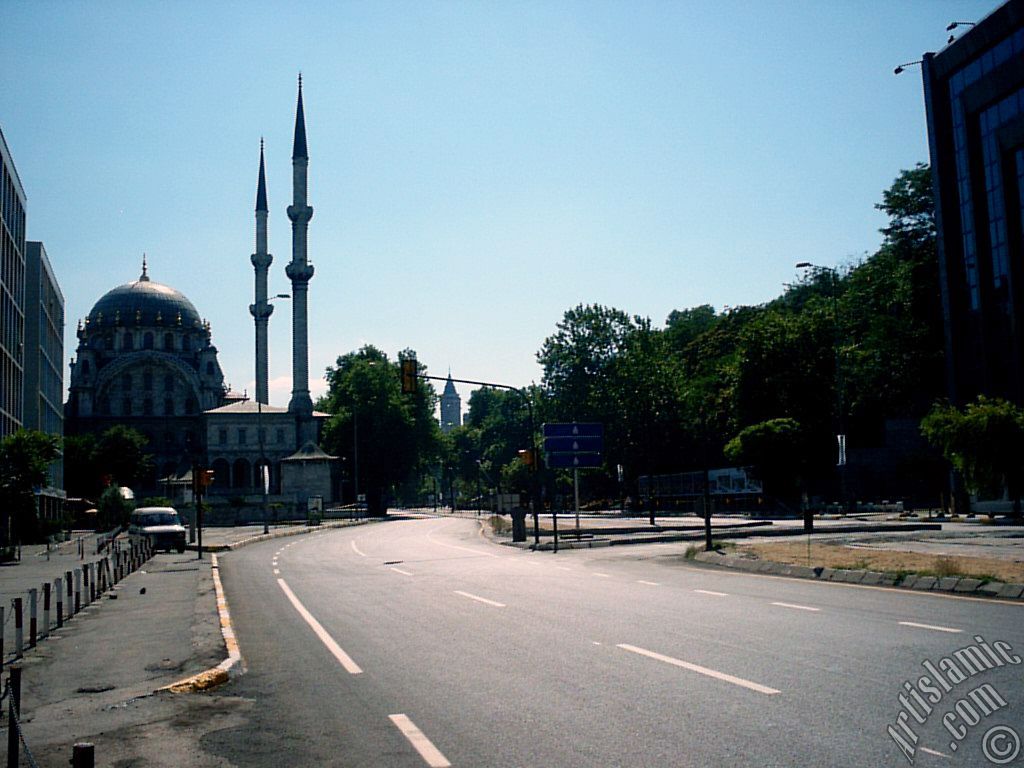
{"x":160,"y":525}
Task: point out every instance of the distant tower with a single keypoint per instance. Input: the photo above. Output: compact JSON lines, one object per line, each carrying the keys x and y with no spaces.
{"x":261,"y":309}
{"x":451,"y":407}
{"x":300,"y":271}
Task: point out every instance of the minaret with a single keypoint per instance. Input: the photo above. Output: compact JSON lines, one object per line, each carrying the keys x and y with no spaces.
{"x":299,"y":271}
{"x":261,"y":309}
{"x":451,"y":406}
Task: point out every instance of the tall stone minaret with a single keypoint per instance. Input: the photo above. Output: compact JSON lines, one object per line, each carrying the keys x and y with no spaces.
{"x":300,"y":271}
{"x":261,"y":309}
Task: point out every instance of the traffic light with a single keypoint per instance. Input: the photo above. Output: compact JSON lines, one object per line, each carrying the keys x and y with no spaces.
{"x":409,"y":376}
{"x":207,"y":478}
{"x":526,"y":456}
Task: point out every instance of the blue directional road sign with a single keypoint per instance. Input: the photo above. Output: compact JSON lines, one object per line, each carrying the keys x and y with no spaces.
{"x":574,"y":460}
{"x":574,"y":429}
{"x":573,"y":444}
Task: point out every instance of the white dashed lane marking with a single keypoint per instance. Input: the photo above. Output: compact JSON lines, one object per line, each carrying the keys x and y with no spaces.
{"x":479,"y":599}
{"x":701,"y":670}
{"x":343,"y":658}
{"x":430,"y":754}
{"x":796,"y":607}
{"x":951,"y":630}
{"x":711,"y":592}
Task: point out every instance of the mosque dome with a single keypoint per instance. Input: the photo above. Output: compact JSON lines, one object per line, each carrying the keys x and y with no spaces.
{"x":145,"y":302}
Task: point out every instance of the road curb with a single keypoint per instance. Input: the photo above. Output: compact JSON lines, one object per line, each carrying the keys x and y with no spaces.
{"x":214,"y":548}
{"x":910,"y":581}
{"x":232,"y":665}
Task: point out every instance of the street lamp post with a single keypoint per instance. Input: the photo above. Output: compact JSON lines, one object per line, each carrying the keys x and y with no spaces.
{"x":264,"y":478}
{"x":837,"y":373}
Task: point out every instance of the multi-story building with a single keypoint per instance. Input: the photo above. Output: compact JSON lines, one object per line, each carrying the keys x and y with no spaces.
{"x":44,"y":364}
{"x":12,"y":293}
{"x":974,"y":93}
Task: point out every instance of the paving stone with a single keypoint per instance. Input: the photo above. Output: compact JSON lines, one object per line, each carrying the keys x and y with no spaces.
{"x":992,"y":589}
{"x":1012,"y":590}
{"x":925,"y":582}
{"x":948,"y":583}
{"x":967,"y":585}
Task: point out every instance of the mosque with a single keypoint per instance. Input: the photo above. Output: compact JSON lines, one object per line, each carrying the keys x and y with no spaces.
{"x":146,"y":359}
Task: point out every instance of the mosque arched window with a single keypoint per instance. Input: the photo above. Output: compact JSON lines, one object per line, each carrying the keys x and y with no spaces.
{"x":147,"y":381}
{"x":209,"y":367}
{"x":85,"y":367}
{"x":108,"y":341}
{"x":168,"y":342}
{"x":128,"y":342}
{"x":191,"y":406}
{"x":147,"y":407}
{"x":168,"y":407}
{"x":104,"y":405}
{"x":185,"y":344}
{"x":126,"y":406}
{"x":147,"y":340}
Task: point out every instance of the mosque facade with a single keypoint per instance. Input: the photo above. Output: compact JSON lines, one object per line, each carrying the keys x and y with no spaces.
{"x":146,"y":360}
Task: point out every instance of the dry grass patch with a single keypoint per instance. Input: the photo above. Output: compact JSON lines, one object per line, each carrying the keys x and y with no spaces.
{"x":891,"y":561}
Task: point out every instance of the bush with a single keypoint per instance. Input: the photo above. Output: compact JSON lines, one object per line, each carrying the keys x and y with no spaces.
{"x":113,"y":509}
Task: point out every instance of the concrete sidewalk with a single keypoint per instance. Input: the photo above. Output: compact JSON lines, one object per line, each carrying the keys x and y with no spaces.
{"x":97,"y":679}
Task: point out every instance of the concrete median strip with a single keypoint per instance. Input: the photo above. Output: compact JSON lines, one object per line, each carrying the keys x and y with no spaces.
{"x":961,"y":587}
{"x":221,"y":673}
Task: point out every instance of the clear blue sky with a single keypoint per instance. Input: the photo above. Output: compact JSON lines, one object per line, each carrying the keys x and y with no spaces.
{"x":476,"y":168}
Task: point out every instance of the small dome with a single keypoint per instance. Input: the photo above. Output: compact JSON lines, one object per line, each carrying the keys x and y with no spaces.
{"x":142,"y":302}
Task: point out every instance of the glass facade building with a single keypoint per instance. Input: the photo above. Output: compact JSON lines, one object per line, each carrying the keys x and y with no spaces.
{"x":12,"y":293}
{"x":974,"y":94}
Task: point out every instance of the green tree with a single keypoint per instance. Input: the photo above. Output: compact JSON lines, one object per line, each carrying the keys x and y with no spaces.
{"x":82,"y":475}
{"x":25,"y":458}
{"x":984,"y":442}
{"x":397,"y":435}
{"x":113,"y":509}
{"x":777,"y":449}
{"x":121,"y":453}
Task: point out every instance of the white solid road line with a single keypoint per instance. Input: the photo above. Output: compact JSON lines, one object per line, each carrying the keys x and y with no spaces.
{"x":432,"y":540}
{"x":711,"y":592}
{"x":356,"y":549}
{"x":479,"y":599}
{"x":430,"y":754}
{"x":951,"y":630}
{"x":603,"y":575}
{"x":796,"y":607}
{"x":701,"y":670}
{"x":649,"y":583}
{"x":399,"y":570}
{"x":343,"y":658}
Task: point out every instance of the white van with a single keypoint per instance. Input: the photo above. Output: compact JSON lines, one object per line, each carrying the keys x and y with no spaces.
{"x":160,"y":525}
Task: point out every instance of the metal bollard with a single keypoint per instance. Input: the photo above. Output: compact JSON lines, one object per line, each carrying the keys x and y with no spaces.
{"x":19,"y":629}
{"x":46,"y":607}
{"x":78,"y":589}
{"x":70,"y":593}
{"x":33,"y":624}
{"x":83,"y":756}
{"x":59,"y":583}
{"x":13,"y":706}
{"x":86,"y":591}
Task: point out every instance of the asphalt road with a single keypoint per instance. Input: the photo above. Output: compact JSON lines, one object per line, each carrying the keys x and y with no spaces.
{"x":417,"y":642}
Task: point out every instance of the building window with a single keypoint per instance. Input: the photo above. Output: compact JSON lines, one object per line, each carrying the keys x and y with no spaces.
{"x":147,"y":381}
{"x":126,"y":406}
{"x":222,"y":436}
{"x":169,"y":342}
{"x":147,"y":340}
{"x":128,"y":342}
{"x":147,"y":407}
{"x":241,"y":436}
